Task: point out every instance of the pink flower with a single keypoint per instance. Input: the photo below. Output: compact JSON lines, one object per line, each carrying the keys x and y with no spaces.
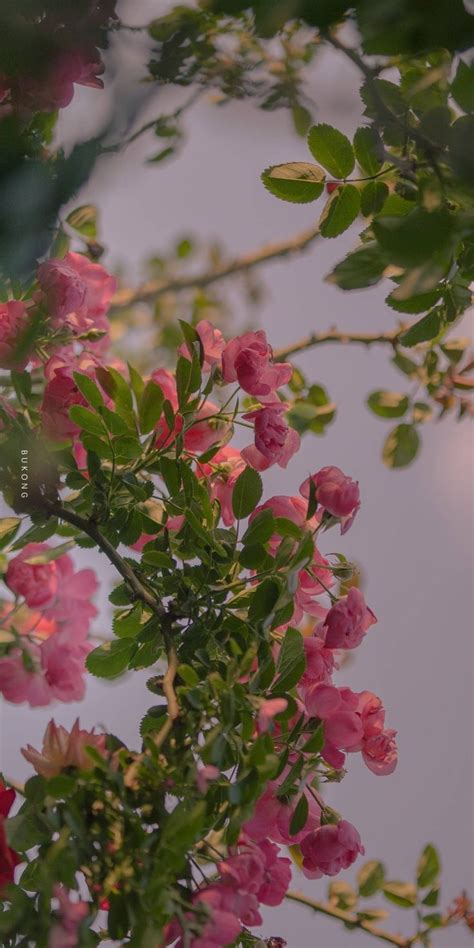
{"x":213,"y":343}
{"x":258,"y":870}
{"x":268,"y":709}
{"x":65,"y":934}
{"x":62,"y":748}
{"x":272,"y":818}
{"x":36,"y":582}
{"x":54,"y":88}
{"x":222,"y":472}
{"x":320,"y":662}
{"x":275,"y":441}
{"x":220,"y":925}
{"x":60,"y":394}
{"x":248,"y":359}
{"x":77,"y":291}
{"x":63,"y":663}
{"x":203,"y":433}
{"x":329,"y":849}
{"x":348,"y":620}
{"x":336,"y":492}
{"x":277,"y":875}
{"x":379,"y":752}
{"x":14,"y":320}
{"x":204,"y":775}
{"x":39,"y":674}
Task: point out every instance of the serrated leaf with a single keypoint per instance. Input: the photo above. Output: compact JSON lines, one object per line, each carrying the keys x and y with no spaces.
{"x":150,"y":406}
{"x":291,"y":662}
{"x":89,"y":389}
{"x":332,"y":149}
{"x":373,"y":197}
{"x":424,"y":330}
{"x":84,"y":220}
{"x":388,"y":404}
{"x":413,"y":304}
{"x":340,"y":211}
{"x":296,"y":181}
{"x":47,"y":556}
{"x":86,"y":420}
{"x":111,"y":659}
{"x":400,"y":893}
{"x":401,"y":446}
{"x":260,"y":530}
{"x":370,"y":878}
{"x":361,"y":268}
{"x":300,"y":815}
{"x":366,"y":142}
{"x":247,"y":493}
{"x":428,"y":868}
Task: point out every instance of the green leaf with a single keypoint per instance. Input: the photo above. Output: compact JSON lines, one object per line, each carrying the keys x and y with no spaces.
{"x":413,"y":304}
{"x":373,"y":198}
{"x":388,"y":404}
{"x":401,"y":446}
{"x":400,"y":893}
{"x":150,"y":406}
{"x":370,"y":878}
{"x":332,"y":149}
{"x":411,"y":240}
{"x":8,"y":529}
{"x":114,"y":423}
{"x":291,"y":661}
{"x":361,"y":268}
{"x":157,"y":559}
{"x":86,"y":420}
{"x":260,"y":530}
{"x":462,"y":86}
{"x":366,"y":142}
{"x":84,"y":220}
{"x":428,"y":868}
{"x":424,"y":330}
{"x":300,"y":815}
{"x":422,"y":412}
{"x":127,"y":624}
{"x":89,"y":389}
{"x":247,"y":493}
{"x":188,"y":377}
{"x":340,"y":211}
{"x":296,"y":181}
{"x":263,"y":600}
{"x":315,"y":743}
{"x":47,"y":556}
{"x":111,"y":658}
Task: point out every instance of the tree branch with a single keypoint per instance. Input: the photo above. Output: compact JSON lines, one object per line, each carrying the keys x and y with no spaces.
{"x":155,"y":288}
{"x":335,"y":335}
{"x":332,"y":912}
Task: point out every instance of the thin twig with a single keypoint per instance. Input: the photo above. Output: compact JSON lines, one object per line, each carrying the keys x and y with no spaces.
{"x":155,"y":288}
{"x":335,"y":335}
{"x":349,"y":918}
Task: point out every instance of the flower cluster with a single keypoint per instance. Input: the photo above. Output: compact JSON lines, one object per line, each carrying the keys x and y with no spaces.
{"x":48,"y":627}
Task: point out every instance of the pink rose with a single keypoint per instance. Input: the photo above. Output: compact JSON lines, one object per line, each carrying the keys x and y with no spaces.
{"x":62,"y":748}
{"x":248,"y":360}
{"x":379,"y":752}
{"x":14,"y":320}
{"x":275,"y":441}
{"x":203,"y":433}
{"x":222,"y":472}
{"x":348,"y":620}
{"x":213,"y":343}
{"x":77,"y":292}
{"x":54,"y":88}
{"x":329,"y":849}
{"x":336,"y":492}
{"x":60,"y":394}
{"x":320,"y":662}
{"x":272,"y":818}
{"x":36,"y":582}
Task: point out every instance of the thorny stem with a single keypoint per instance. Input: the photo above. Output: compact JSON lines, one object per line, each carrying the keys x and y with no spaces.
{"x":155,"y":288}
{"x":336,"y":335}
{"x":348,"y":917}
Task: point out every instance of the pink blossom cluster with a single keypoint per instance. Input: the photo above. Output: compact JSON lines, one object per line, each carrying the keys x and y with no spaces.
{"x":252,"y":875}
{"x":62,"y":748}
{"x":47,"y":659}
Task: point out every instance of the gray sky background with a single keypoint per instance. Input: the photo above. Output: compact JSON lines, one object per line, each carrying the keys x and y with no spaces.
{"x":414,"y":533}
